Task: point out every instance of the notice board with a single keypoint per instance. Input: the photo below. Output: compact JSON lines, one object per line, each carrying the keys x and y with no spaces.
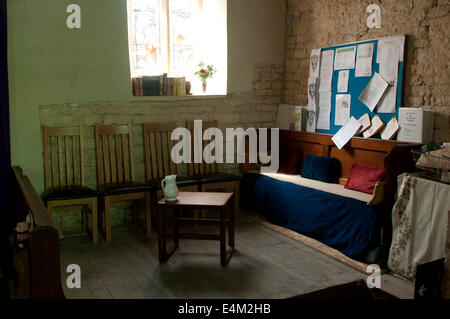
{"x":356,"y":85}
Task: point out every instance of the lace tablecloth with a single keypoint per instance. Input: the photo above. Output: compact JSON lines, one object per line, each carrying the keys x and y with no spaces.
{"x":419,"y":220}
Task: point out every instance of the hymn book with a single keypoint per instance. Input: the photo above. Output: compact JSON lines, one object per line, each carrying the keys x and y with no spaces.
{"x":377,"y":125}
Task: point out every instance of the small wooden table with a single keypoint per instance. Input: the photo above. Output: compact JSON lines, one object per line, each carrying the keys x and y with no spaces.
{"x":197,"y":200}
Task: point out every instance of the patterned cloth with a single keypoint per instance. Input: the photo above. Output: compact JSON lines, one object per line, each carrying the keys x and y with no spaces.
{"x":419,"y":220}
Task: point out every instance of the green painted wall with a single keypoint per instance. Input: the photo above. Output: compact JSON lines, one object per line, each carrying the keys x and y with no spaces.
{"x":51,"y":64}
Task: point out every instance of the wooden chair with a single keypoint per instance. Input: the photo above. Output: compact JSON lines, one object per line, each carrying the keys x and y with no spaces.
{"x":64,"y":174}
{"x":115,"y":174}
{"x":158,"y":164}
{"x":208,"y":175}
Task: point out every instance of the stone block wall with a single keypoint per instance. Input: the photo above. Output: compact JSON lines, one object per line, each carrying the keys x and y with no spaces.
{"x":321,"y":23}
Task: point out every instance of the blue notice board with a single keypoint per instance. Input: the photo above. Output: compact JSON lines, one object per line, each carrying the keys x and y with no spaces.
{"x":356,"y":86}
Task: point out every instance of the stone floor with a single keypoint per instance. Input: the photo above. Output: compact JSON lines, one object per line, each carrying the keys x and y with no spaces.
{"x":266,"y":264}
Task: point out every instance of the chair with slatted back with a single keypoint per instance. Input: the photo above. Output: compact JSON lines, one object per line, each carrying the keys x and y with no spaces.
{"x":64,"y":174}
{"x":158,"y":164}
{"x":208,"y":175}
{"x":115,"y":174}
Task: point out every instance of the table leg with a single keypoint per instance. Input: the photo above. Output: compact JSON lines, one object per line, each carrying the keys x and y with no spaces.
{"x":161,"y":234}
{"x":231,"y":224}
{"x":176,"y":215}
{"x":223,"y":252}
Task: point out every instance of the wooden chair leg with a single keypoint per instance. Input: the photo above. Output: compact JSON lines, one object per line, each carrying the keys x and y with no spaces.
{"x":202,"y":213}
{"x":84,"y":218}
{"x":50,"y":209}
{"x":148,"y":215}
{"x":107,"y":208}
{"x":94,"y":221}
{"x":135,"y":212}
{"x":236,"y":199}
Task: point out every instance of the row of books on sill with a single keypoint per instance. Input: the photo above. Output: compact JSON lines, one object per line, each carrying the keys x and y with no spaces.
{"x":160,"y":85}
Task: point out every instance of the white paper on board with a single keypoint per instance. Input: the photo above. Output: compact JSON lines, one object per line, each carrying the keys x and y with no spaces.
{"x":398,"y":41}
{"x":373,"y":91}
{"x":343,"y":81}
{"x":345,"y":58}
{"x":342,"y":112}
{"x":313,"y":91}
{"x":323,"y":118}
{"x":326,"y":71}
{"x":314,"y":63}
{"x":311,"y":118}
{"x":364,"y":60}
{"x":389,"y":72}
{"x":345,"y":134}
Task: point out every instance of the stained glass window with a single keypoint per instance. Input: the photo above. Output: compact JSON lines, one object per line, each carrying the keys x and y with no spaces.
{"x":147,"y":37}
{"x":183,"y":30}
{"x":174,"y":36}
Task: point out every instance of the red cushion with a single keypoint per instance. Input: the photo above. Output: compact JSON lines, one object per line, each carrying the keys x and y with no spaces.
{"x":363,"y":178}
{"x":289,"y":161}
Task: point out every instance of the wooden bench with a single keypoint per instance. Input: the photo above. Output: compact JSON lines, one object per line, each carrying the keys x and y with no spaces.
{"x":395,"y":157}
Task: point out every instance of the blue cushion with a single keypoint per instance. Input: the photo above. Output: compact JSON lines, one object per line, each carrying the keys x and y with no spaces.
{"x":321,"y":168}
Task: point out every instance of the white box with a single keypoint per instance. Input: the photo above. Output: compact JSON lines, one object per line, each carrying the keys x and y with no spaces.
{"x":298,"y":119}
{"x":291,"y":117}
{"x":416,"y":125}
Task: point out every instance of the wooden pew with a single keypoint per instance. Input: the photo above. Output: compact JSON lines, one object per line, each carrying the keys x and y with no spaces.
{"x":37,"y":265}
{"x":395,"y":157}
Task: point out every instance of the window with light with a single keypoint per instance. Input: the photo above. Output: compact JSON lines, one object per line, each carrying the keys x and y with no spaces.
{"x":174,"y":36}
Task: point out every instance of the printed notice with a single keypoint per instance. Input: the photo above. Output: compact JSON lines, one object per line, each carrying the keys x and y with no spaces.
{"x":345,"y":134}
{"x":343,"y":81}
{"x":323,"y":119}
{"x":342,"y":113}
{"x":311,"y":118}
{"x":397,"y":41}
{"x":313,"y":86}
{"x":314,"y":64}
{"x":373,"y":91}
{"x":389,"y":72}
{"x":326,"y":71}
{"x":364,"y":60}
{"x":345,"y":58}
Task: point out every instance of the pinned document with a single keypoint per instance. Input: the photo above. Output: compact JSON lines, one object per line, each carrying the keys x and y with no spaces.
{"x":345,"y":58}
{"x":326,"y":71}
{"x":343,"y":81}
{"x":342,"y":113}
{"x":323,"y":118}
{"x":373,"y":91}
{"x":311,"y":118}
{"x":389,"y":72}
{"x":313,"y":91}
{"x":314,"y":63}
{"x":364,"y":60}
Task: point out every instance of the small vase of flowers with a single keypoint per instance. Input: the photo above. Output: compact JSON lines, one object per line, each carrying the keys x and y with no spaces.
{"x":204,"y":73}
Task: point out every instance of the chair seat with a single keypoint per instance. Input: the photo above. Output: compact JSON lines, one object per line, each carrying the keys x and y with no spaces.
{"x":216,"y":178}
{"x":181,"y":182}
{"x":122,"y":188}
{"x":68,"y":192}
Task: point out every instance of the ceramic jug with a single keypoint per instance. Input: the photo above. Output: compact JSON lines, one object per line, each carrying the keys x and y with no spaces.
{"x":169,"y":187}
